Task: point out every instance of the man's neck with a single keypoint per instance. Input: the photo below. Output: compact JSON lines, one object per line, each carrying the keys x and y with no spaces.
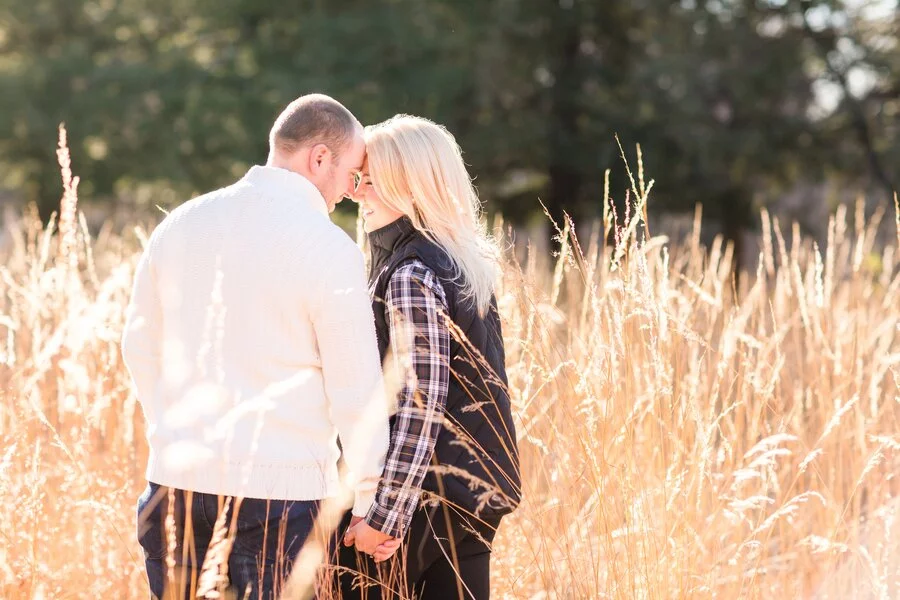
{"x":279,"y":162}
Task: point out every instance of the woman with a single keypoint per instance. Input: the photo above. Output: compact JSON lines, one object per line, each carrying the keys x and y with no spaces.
{"x":452,"y":469}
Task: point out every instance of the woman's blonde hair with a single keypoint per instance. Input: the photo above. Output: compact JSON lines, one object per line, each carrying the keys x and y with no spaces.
{"x":417,"y":169}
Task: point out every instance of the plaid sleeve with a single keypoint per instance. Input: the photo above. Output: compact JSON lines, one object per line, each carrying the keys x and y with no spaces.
{"x":420,"y":341}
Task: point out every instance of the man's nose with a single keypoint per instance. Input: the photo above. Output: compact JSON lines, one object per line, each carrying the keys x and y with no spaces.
{"x":350,"y":192}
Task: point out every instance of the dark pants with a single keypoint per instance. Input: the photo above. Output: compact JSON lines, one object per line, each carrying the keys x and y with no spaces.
{"x":445,"y":556}
{"x":267,"y":537}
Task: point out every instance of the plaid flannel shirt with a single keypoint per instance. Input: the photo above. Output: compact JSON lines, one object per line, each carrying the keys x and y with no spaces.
{"x":420,"y":341}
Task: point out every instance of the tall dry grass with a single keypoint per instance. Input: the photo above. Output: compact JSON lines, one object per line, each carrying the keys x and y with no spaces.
{"x":680,"y":438}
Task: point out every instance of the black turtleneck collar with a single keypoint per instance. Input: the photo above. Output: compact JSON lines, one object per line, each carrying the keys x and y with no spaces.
{"x":385,"y":241}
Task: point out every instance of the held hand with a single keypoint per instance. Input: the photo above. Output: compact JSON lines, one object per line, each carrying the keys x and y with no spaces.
{"x":386,"y":550}
{"x":366,"y":538}
{"x":350,"y":534}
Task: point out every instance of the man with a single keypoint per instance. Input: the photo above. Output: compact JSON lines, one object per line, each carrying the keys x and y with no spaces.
{"x":251,"y":343}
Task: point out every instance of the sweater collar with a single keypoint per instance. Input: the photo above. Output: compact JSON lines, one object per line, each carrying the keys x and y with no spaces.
{"x":286,"y":185}
{"x":385,"y":241}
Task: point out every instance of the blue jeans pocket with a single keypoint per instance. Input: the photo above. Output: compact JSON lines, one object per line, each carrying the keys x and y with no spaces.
{"x":149,"y":521}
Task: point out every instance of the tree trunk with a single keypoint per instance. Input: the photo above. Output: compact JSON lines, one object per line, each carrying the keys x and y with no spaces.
{"x":565,"y":179}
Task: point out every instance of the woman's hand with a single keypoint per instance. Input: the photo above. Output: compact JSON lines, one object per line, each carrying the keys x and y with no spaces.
{"x":386,"y":550}
{"x":365,"y":538}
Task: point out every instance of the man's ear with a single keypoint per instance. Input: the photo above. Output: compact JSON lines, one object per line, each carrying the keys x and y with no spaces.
{"x":318,"y":156}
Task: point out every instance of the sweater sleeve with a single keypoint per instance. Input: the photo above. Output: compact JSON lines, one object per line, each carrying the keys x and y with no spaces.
{"x":141,"y":338}
{"x":345,"y":332}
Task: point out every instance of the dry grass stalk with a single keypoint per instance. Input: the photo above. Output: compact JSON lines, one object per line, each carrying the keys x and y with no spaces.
{"x":680,"y":438}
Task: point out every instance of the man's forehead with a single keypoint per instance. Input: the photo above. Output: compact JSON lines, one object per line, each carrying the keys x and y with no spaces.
{"x":361,"y":149}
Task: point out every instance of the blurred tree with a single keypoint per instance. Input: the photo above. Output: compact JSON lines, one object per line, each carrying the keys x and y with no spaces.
{"x":122,"y":76}
{"x":729,"y":99}
{"x":716,"y":94}
{"x":856,"y":57}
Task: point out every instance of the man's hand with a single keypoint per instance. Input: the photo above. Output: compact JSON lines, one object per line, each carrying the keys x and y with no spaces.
{"x":365,"y":537}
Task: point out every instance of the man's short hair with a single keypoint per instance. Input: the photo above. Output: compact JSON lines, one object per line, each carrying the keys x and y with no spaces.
{"x":310,"y":120}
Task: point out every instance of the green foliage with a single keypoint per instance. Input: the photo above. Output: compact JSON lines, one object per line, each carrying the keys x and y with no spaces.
{"x":170,"y":98}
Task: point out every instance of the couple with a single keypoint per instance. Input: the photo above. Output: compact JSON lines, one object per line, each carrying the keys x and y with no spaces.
{"x":255,"y":341}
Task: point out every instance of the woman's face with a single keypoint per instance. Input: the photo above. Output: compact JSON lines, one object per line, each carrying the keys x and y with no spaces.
{"x":375,"y":213}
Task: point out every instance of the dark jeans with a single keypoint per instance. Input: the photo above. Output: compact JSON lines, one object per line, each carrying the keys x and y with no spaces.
{"x":445,"y":556}
{"x":268,"y":536}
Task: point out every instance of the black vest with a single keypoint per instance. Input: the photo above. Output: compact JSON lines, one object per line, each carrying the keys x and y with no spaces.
{"x":476,"y":461}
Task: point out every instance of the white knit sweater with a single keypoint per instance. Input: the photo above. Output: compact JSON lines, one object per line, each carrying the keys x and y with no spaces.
{"x":251,"y":343}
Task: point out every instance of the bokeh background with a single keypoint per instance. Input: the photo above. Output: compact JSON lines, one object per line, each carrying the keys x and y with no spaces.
{"x":737,"y":104}
{"x":684,"y":434}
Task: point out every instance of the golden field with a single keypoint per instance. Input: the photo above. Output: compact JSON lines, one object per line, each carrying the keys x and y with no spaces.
{"x":682,"y":436}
